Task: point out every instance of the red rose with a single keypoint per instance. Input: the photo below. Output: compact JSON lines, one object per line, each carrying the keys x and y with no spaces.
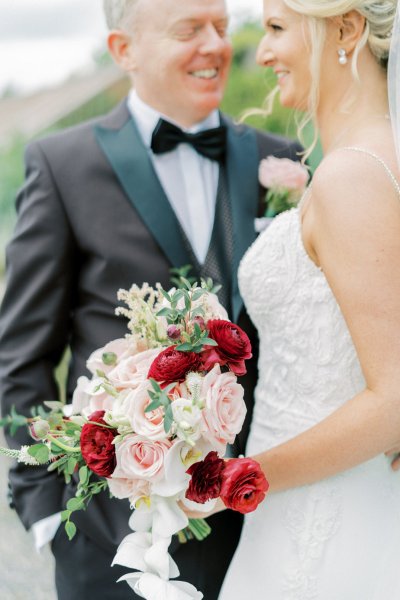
{"x":243,"y":485}
{"x":97,"y":448}
{"x":233,"y":346}
{"x":206,"y":480}
{"x":171,"y":365}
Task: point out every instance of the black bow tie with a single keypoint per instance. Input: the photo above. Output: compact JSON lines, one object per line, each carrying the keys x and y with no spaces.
{"x":210,"y":143}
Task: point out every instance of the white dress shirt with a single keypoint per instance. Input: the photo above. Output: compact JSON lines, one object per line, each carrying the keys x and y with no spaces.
{"x":190,"y":182}
{"x":189,"y":179}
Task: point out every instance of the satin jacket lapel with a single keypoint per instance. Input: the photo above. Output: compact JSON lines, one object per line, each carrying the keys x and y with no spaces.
{"x":128,"y":157}
{"x":242,"y":169}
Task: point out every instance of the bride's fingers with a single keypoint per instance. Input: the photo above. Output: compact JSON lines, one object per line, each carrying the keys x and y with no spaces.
{"x":392,"y":451}
{"x":396,"y":463}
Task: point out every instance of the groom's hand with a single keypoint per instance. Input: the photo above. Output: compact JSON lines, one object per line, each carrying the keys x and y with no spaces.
{"x":395,"y":454}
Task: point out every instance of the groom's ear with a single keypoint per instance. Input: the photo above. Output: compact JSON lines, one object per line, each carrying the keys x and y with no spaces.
{"x":121,"y":47}
{"x":350,"y":28}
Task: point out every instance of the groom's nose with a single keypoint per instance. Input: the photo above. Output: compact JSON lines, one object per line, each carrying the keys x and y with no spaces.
{"x":213,"y":42}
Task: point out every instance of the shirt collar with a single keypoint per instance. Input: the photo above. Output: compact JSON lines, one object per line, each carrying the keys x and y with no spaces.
{"x":147,"y":118}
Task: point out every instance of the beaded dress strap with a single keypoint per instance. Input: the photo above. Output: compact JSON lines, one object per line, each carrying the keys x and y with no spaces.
{"x":380,"y":160}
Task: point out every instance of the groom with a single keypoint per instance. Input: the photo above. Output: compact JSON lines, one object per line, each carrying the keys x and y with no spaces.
{"x":116,"y":201}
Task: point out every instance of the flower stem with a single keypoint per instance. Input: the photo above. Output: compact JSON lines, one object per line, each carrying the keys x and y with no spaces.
{"x":56,"y":442}
{"x":200,"y":528}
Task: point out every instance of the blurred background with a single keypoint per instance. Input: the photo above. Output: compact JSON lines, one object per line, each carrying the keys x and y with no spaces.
{"x":54,"y":73}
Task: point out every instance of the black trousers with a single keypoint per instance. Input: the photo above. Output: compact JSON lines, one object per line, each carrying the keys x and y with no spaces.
{"x":83,"y":570}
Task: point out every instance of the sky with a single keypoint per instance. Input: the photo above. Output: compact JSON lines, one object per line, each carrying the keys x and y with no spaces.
{"x":43,"y":42}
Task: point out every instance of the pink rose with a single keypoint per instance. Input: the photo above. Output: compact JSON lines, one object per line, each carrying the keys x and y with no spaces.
{"x":140,"y":458}
{"x":104,"y":359}
{"x":225,"y":410}
{"x":134,"y":489}
{"x":147,"y":424}
{"x":282,"y":173}
{"x":132,"y":371}
{"x":89,"y":397}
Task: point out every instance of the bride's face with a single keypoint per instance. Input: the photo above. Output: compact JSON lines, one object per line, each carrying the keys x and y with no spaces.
{"x":286,"y":49}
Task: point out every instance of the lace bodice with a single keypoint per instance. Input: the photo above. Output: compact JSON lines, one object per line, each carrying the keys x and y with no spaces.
{"x":308,"y":366}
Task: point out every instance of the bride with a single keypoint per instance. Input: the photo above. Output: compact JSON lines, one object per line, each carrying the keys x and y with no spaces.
{"x":322,"y":285}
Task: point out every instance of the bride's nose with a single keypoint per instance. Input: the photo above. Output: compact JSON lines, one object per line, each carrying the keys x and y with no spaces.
{"x":265,"y":56}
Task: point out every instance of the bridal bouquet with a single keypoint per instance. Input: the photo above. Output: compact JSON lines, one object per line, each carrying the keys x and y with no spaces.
{"x":152,"y":425}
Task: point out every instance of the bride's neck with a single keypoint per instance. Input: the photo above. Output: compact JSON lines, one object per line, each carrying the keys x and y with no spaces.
{"x":342,"y":116}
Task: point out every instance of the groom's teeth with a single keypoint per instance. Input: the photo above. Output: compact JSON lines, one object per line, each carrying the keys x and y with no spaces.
{"x":282,"y":74}
{"x":206,"y":73}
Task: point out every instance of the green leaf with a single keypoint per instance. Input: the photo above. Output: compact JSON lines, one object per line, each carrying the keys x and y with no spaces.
{"x":65,"y":515}
{"x":177,"y":295}
{"x":209,"y":341}
{"x":187,"y":347}
{"x":215,"y":288}
{"x":153,"y":406}
{"x":186,"y":283}
{"x":197,"y":330}
{"x":188,"y":303}
{"x":169,"y":387}
{"x":168,"y":419}
{"x":165,"y":294}
{"x":83,"y":475}
{"x":54,"y":405}
{"x":75,"y":504}
{"x":197,"y":294}
{"x":164,"y":312}
{"x":72,"y":462}
{"x":70,"y":529}
{"x":155,"y":385}
{"x":40,"y":452}
{"x":57,"y":463}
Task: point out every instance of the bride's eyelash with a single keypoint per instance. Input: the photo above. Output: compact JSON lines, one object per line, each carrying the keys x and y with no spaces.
{"x":275,"y":27}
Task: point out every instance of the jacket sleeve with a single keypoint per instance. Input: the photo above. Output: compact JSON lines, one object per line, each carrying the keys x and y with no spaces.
{"x":35,"y":319}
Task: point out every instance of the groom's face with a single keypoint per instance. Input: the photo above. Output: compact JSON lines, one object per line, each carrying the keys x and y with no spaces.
{"x":181,"y":55}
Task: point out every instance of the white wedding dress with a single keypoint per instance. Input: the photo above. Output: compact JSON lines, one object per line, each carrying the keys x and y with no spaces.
{"x":338,"y":539}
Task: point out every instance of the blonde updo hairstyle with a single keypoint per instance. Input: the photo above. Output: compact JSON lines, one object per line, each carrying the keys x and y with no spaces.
{"x":379,"y":20}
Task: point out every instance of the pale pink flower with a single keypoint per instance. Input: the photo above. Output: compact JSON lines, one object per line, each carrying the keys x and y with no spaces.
{"x":283,"y":173}
{"x":147,"y":424}
{"x":121,"y":347}
{"x":225,"y":410}
{"x":90,"y":396}
{"x":140,"y":458}
{"x":134,"y":489}
{"x":132,"y":371}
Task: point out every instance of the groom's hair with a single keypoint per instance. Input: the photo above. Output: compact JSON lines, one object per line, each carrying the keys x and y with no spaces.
{"x":118,"y":12}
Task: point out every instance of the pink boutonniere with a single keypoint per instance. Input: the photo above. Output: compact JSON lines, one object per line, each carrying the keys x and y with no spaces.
{"x":285,"y":180}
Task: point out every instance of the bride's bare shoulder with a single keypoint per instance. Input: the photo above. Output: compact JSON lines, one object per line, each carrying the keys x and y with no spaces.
{"x":354,"y":174}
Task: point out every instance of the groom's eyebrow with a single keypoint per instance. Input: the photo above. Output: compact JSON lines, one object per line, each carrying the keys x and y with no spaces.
{"x":200,"y":19}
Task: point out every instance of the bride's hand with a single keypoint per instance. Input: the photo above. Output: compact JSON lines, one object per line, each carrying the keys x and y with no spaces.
{"x":395,"y":454}
{"x":193,"y":514}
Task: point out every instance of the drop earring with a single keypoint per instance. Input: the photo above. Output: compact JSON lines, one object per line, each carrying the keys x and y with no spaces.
{"x":342,"y":56}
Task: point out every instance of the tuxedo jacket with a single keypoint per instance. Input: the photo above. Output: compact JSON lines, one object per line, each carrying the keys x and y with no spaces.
{"x":93,"y":218}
